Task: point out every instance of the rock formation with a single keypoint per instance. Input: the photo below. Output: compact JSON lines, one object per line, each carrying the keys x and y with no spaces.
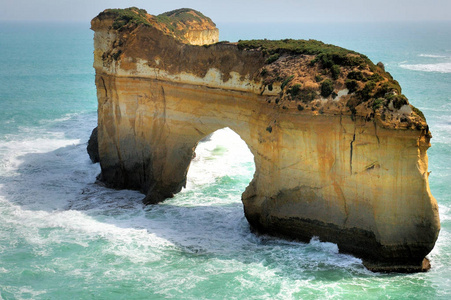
{"x":339,"y":151}
{"x":93,"y":147}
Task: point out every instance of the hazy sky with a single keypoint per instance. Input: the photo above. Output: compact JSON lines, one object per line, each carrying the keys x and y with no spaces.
{"x":238,"y":10}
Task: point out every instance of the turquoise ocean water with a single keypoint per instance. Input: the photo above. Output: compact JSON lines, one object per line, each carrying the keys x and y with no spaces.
{"x":64,"y":237}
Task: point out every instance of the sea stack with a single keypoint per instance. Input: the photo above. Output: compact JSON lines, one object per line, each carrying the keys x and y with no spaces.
{"x":339,"y":151}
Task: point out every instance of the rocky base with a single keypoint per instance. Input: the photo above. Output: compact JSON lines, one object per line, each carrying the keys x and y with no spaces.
{"x":398,"y":267}
{"x":362,"y":244}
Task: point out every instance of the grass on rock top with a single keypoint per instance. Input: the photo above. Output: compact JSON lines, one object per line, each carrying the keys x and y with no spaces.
{"x":183,"y":15}
{"x":171,"y":20}
{"x":366,"y":81}
{"x":327,"y":54}
{"x":132,"y":15}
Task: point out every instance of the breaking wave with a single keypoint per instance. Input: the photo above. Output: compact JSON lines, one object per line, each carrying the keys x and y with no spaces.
{"x":432,"y":56}
{"x":439,"y":67}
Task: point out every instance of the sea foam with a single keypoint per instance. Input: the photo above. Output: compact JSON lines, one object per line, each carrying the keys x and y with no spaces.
{"x":439,"y":67}
{"x":432,"y":56}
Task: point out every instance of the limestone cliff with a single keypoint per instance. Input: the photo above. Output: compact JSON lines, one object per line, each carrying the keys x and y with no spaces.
{"x":339,"y":152}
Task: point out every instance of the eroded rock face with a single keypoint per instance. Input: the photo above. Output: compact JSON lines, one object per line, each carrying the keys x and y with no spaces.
{"x":339,"y":152}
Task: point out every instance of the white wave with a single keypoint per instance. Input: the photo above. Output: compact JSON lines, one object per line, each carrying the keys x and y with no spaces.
{"x":442,"y":131}
{"x":69,"y":130}
{"x":223,"y":155}
{"x":444,"y":212}
{"x":324,"y":246}
{"x":16,"y":150}
{"x":440,"y":67}
{"x":44,"y":167}
{"x":79,"y":228}
{"x":329,"y":253}
{"x":64,"y":118}
{"x":439,"y":255}
{"x":432,"y":56}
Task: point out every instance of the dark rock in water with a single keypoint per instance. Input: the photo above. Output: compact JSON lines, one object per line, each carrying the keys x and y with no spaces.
{"x":93,"y":147}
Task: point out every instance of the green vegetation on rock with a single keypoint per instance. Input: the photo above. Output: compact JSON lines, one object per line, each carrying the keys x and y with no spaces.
{"x":335,"y":70}
{"x":398,"y":101}
{"x":183,"y":15}
{"x":418,"y":112}
{"x":306,"y":95}
{"x":132,"y":15}
{"x":173,"y":18}
{"x":375,"y":77}
{"x":388,"y":88}
{"x":367,"y":91}
{"x":327,"y":54}
{"x":355,"y":75}
{"x":327,"y":87}
{"x":272,"y":58}
{"x":351,"y":85}
{"x":378,"y":103}
{"x":286,"y":81}
{"x":294,"y":90}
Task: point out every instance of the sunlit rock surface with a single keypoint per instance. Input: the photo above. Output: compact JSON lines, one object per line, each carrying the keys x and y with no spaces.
{"x":339,"y":152}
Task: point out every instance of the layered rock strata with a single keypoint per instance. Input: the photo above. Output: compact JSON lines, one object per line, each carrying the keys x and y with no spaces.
{"x":338,"y":150}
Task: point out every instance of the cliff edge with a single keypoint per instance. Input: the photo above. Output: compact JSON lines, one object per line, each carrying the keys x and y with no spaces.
{"x":339,"y":151}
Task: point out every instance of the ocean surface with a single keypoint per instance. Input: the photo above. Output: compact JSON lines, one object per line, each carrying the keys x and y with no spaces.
{"x":64,"y":237}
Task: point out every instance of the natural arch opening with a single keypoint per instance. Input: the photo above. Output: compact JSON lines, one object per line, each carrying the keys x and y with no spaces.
{"x":223,"y":166}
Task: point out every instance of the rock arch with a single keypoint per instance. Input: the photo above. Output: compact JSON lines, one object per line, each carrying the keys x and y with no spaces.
{"x":339,"y":167}
{"x":169,"y":129}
